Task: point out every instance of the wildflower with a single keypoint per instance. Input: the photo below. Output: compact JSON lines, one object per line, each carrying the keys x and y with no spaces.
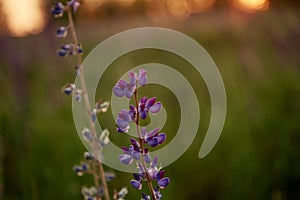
{"x":148,"y":105}
{"x":158,"y":174}
{"x":88,"y":156}
{"x":74,"y":4}
{"x":142,"y":77}
{"x":153,"y":138}
{"x":81,"y":169}
{"x":157,"y":193}
{"x":68,"y":88}
{"x":130,"y":153}
{"x":57,"y":9}
{"x":122,"y":88}
{"x":123,"y":121}
{"x":146,"y":155}
{"x":70,"y":49}
{"x":61,"y":32}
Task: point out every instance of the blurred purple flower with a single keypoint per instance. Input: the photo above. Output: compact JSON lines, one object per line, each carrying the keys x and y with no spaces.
{"x":74,"y":4}
{"x":61,"y":32}
{"x":57,"y":9}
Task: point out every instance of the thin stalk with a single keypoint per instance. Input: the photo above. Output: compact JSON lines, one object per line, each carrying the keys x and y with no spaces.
{"x":149,"y":181}
{"x":87,"y":102}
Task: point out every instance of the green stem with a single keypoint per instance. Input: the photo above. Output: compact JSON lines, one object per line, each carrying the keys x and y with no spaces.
{"x":87,"y":104}
{"x":149,"y":181}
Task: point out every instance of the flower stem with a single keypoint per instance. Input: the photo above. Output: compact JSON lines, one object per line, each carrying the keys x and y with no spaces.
{"x":149,"y":181}
{"x":87,"y":103}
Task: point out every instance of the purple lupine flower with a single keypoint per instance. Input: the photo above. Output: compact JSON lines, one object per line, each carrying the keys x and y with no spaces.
{"x":123,"y":88}
{"x":130,"y":153}
{"x":123,"y":121}
{"x":138,"y":179}
{"x":153,"y":137}
{"x":158,"y":174}
{"x":148,"y":105}
{"x":57,"y":9}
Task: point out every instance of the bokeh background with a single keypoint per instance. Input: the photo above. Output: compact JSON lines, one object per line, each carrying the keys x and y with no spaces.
{"x":255,"y":44}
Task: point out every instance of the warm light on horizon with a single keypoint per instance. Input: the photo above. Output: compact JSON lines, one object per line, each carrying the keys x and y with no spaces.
{"x":179,"y":9}
{"x":251,"y":6}
{"x":23,"y":17}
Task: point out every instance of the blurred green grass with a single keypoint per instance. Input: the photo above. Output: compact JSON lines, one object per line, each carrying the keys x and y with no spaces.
{"x":257,"y":156}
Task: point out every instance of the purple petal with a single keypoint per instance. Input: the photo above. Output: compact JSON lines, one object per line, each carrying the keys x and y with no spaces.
{"x":150,"y":102}
{"x":122,"y":123}
{"x":143,"y":132}
{"x":124,"y":114}
{"x":125,"y":149}
{"x":160,"y":175}
{"x":143,"y":100}
{"x":136,"y":184}
{"x":135,"y":144}
{"x":153,"y":142}
{"x":143,"y":77}
{"x":155,"y":108}
{"x":143,"y":114}
{"x":151,"y":134}
{"x":136,"y":155}
{"x":129,"y":90}
{"x":122,"y":84}
{"x":138,"y":176}
{"x":164,"y":182}
{"x":132,"y":78}
{"x":147,"y":158}
{"x":125,"y":159}
{"x":154,"y":162}
{"x":161,"y":138}
{"x":152,"y":172}
{"x":118,"y":91}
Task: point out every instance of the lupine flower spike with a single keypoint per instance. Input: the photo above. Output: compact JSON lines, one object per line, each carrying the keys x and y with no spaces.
{"x":137,"y":150}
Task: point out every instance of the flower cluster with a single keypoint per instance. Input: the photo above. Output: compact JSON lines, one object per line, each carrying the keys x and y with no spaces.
{"x":147,"y":167}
